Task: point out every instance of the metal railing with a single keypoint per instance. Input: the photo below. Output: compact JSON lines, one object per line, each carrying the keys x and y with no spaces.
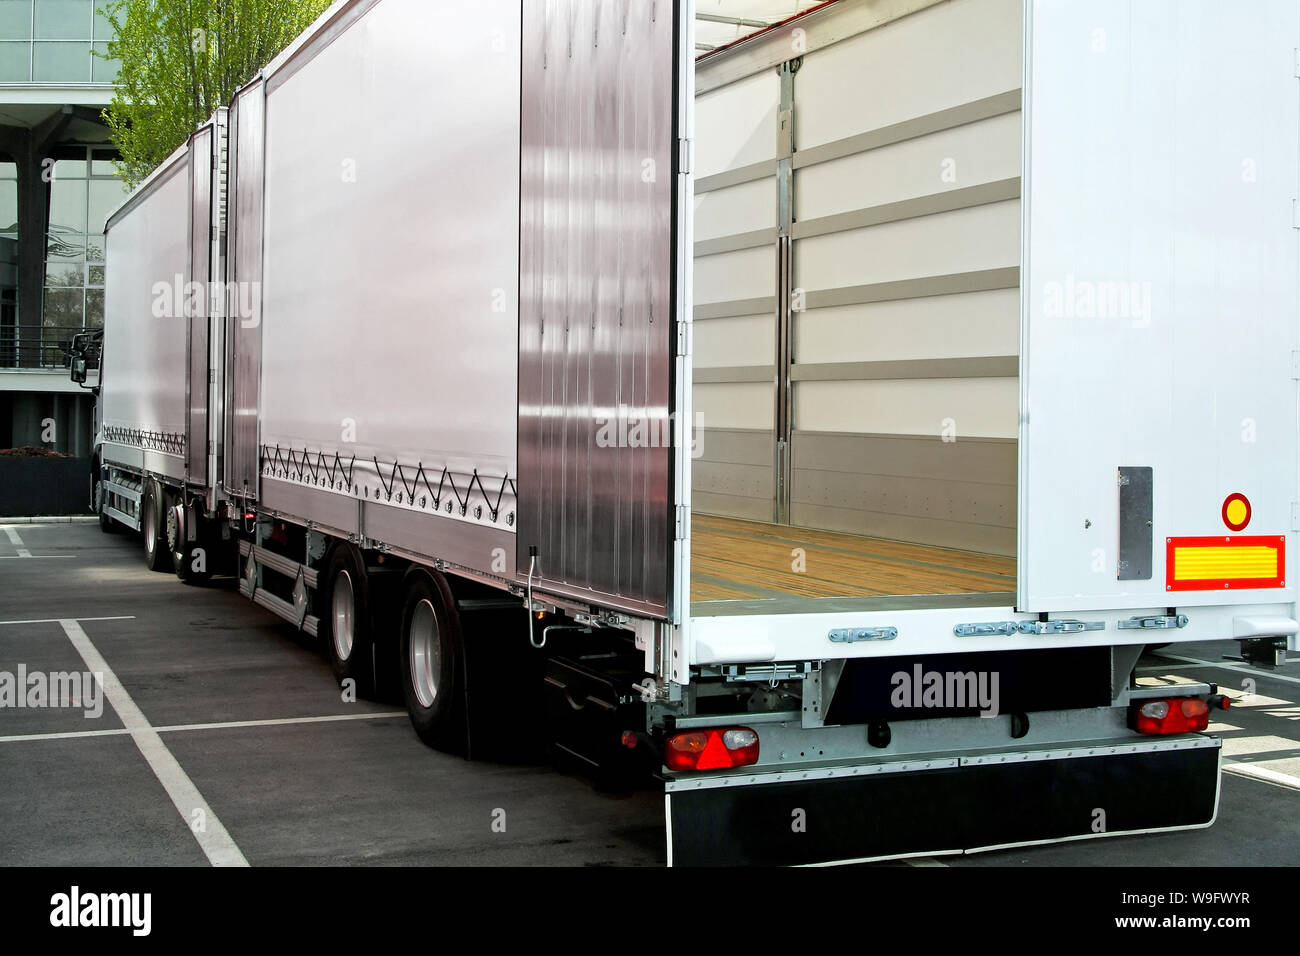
{"x":35,"y":346}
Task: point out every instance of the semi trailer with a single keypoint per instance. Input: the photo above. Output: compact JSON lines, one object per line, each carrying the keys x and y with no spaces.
{"x":825,"y":424}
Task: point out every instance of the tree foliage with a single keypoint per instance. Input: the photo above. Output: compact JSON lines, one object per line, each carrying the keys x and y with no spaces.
{"x":181,"y":59}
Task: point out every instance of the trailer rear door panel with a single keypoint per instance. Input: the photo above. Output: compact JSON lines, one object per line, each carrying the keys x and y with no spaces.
{"x":597,"y":318}
{"x":202,"y":145}
{"x":1159,"y":304}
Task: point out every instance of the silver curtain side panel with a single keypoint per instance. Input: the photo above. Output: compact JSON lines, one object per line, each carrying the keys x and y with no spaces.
{"x":201,"y":148}
{"x":244,"y":288}
{"x":389,"y":272}
{"x":143,"y":395}
{"x":597,"y":323}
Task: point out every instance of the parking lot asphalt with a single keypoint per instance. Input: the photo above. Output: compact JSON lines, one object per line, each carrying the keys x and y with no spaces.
{"x":225,"y":739}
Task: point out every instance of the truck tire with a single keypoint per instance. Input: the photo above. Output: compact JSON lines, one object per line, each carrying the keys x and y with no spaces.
{"x":152,"y":526}
{"x":345,"y":619}
{"x":429,"y":652}
{"x":189,"y":558}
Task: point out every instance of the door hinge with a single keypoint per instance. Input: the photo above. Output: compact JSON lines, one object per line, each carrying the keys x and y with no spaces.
{"x":1157,"y":621}
{"x":681,"y":520}
{"x":685,"y":156}
{"x":1297,"y":61}
{"x":1295,"y":365}
{"x":1060,"y":627}
{"x":852,"y":635}
{"x":1295,"y":213}
{"x":1295,"y":516}
{"x":684,"y":338}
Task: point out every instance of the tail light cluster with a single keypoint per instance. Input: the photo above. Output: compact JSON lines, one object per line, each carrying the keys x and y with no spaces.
{"x":1178,"y":715}
{"x":712,"y":748}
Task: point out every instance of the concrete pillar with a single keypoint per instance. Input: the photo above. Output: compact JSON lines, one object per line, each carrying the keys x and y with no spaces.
{"x":33,"y":221}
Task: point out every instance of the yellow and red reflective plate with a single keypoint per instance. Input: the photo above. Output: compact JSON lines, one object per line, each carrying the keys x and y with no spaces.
{"x":1222,"y":562}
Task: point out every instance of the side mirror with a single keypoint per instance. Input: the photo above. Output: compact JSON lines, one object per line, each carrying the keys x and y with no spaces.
{"x":79,"y":367}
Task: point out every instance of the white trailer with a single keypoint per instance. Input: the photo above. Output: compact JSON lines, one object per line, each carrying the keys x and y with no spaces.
{"x":158,"y":413}
{"x":847,"y":410}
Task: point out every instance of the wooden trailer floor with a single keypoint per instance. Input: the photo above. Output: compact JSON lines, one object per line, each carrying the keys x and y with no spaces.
{"x":737,"y":560}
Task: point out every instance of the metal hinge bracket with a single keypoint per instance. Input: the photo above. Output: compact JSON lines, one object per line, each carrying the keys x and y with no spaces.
{"x":1060,"y":627}
{"x":987,"y":629}
{"x":852,"y":635}
{"x":1157,"y":621}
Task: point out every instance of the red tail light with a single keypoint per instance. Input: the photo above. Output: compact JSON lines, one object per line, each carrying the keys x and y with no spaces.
{"x":1179,"y":715}
{"x":713,"y":748}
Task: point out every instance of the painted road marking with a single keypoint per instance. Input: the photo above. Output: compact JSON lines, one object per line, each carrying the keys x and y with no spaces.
{"x":17,"y":542}
{"x":60,"y":620}
{"x":1266,"y":774}
{"x":214,"y":840}
{"x":1234,"y":666}
{"x":227,"y":725}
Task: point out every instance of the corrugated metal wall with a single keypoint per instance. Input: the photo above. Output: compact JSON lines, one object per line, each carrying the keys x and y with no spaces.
{"x":596,"y":309}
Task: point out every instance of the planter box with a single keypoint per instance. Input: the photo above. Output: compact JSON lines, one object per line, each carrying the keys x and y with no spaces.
{"x":44,"y":486}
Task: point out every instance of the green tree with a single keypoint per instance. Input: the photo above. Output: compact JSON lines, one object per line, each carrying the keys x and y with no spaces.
{"x":181,"y":59}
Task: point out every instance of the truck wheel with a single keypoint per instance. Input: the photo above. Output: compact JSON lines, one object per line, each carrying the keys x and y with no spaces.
{"x":345,"y":624}
{"x":106,"y":524}
{"x":156,"y":555}
{"x":429,"y":652}
{"x":189,"y":558}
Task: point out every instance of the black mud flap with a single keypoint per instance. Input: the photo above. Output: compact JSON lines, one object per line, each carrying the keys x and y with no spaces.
{"x":964,"y":808}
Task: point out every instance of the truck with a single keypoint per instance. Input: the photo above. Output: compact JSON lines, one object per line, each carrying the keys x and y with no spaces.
{"x":821,"y":426}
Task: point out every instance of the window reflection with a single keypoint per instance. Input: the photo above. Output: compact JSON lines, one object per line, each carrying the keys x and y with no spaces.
{"x":83,"y":194}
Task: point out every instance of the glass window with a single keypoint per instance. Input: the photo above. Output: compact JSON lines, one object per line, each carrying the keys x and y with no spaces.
{"x":101,"y":163}
{"x":61,"y":62}
{"x":8,"y":200}
{"x":64,"y":19}
{"x":105,"y":196}
{"x":103,"y":29}
{"x":95,"y":308}
{"x":15,"y":19}
{"x":65,"y":307}
{"x":15,"y":61}
{"x":67,"y":203}
{"x":74,"y":272}
{"x":62,"y":273}
{"x":102,"y":70}
{"x":69,"y":168}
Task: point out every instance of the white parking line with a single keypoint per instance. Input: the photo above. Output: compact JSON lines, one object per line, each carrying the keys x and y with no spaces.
{"x":212,"y":836}
{"x":1234,"y":666}
{"x":227,"y":725}
{"x":17,"y":542}
{"x":1266,"y":774}
{"x":60,"y":620}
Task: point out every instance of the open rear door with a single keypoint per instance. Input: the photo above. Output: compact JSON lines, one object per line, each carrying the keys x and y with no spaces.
{"x":598,"y":298}
{"x":201,"y":153}
{"x":243,"y":332}
{"x":1158,"y":433}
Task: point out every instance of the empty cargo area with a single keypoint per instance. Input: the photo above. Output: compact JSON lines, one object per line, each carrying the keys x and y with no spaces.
{"x":857,"y":307}
{"x":737,"y":560}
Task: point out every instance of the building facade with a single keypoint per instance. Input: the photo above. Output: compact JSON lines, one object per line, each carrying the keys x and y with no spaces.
{"x":57,"y":187}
